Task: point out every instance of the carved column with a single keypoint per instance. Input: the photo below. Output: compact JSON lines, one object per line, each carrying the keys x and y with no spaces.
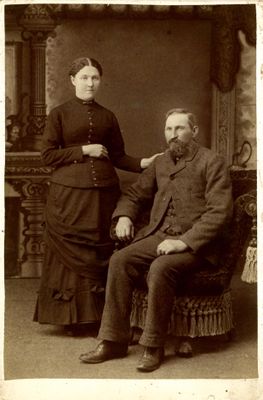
{"x":38,"y":24}
{"x":25,"y":173}
{"x":225,"y":62}
{"x":223,"y":123}
{"x":224,"y":65}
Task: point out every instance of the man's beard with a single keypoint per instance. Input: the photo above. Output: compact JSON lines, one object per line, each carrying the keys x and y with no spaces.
{"x":177,"y":148}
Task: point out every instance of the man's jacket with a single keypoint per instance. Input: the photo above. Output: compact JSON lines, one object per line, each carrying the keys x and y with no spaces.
{"x":200,"y":188}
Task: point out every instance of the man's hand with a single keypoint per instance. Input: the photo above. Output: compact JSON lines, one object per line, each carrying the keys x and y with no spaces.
{"x":95,"y":150}
{"x":169,"y":246}
{"x":124,"y":229}
{"x":145,"y":162}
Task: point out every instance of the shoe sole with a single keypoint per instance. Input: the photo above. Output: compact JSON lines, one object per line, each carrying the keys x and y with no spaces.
{"x":101,"y":361}
{"x":143,"y":369}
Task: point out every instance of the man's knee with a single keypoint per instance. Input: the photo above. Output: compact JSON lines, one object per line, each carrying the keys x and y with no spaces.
{"x":119,"y":259}
{"x":156,"y":271}
{"x":161,"y":271}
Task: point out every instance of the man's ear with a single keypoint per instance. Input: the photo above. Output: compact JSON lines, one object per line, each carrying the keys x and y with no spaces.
{"x":195,"y":131}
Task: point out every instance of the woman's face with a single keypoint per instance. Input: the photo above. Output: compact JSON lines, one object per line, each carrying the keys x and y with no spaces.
{"x":86,"y":82}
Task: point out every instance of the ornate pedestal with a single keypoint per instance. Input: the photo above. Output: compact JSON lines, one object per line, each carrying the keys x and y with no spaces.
{"x":245,"y":185}
{"x":26,"y":174}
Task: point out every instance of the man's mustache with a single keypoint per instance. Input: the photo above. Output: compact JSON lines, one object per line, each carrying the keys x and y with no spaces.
{"x":176,"y":140}
{"x":177,"y":148}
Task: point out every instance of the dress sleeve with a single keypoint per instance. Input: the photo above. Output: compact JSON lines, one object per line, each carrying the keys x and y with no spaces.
{"x":117,"y":153}
{"x":53,"y":153}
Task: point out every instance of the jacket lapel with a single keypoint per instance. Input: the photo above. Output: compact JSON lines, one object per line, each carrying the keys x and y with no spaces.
{"x":173,"y":167}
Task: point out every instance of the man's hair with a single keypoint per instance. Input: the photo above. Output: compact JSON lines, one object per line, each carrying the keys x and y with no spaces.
{"x":191,"y":117}
{"x":81,"y":62}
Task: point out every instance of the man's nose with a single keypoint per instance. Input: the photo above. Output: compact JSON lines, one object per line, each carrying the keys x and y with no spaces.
{"x":174,"y":133}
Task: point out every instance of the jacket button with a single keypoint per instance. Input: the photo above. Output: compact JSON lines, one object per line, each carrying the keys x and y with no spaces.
{"x":75,"y":161}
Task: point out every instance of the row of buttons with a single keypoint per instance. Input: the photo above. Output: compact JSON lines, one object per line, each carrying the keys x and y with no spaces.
{"x":90,"y":126}
{"x":170,"y":224}
{"x":90,"y":131}
{"x":93,"y":171}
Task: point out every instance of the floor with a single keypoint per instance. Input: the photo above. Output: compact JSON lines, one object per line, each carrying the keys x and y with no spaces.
{"x":42,"y":351}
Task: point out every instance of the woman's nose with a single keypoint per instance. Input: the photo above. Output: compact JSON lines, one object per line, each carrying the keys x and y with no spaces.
{"x":90,"y":82}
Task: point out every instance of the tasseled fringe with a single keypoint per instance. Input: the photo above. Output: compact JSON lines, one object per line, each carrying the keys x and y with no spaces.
{"x":249,"y":274}
{"x":192,"y":316}
{"x":139,"y":309}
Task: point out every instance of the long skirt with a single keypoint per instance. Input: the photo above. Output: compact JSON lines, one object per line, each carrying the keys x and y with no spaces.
{"x":78,"y":248}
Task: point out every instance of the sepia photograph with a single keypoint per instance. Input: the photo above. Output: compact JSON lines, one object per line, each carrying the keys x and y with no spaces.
{"x":130,"y":234}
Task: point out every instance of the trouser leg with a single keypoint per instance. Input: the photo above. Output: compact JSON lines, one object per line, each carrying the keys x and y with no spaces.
{"x":163,"y":277}
{"x":125,"y":268}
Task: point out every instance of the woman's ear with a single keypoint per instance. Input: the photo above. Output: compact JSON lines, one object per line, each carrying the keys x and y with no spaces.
{"x":72,"y":78}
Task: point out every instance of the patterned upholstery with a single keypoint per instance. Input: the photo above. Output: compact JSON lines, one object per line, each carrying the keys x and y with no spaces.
{"x":204,"y":306}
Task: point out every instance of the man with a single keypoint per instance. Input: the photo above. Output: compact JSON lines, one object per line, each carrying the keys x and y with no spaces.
{"x":192,"y":203}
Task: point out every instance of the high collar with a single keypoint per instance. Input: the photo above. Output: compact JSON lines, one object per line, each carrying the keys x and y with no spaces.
{"x":85,"y":102}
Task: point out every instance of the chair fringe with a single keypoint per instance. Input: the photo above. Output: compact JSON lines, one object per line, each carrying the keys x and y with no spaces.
{"x":196,"y":316}
{"x":249,"y":273}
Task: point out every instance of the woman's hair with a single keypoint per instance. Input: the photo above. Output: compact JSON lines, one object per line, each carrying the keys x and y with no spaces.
{"x":81,"y":62}
{"x":191,"y":117}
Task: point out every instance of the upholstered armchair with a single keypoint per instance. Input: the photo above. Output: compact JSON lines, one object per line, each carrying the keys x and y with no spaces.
{"x":203,"y":307}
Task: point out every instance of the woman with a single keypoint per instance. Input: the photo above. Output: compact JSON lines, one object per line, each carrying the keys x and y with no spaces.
{"x":83,"y":143}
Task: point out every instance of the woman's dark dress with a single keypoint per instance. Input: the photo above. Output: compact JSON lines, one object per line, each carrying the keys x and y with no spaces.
{"x":82,"y":196}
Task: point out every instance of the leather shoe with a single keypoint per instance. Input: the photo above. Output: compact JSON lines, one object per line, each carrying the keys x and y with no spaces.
{"x":151,"y":359}
{"x":106,"y":350}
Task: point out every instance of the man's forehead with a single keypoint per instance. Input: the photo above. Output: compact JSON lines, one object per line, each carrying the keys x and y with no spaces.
{"x":177,"y":118}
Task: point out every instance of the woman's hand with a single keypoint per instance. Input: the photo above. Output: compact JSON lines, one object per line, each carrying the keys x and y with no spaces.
{"x":169,"y":246}
{"x":95,"y":150}
{"x":145,"y":162}
{"x":124,"y":229}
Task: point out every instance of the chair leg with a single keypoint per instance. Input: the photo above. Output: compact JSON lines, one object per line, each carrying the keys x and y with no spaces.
{"x":135,"y":334}
{"x":185,"y":347}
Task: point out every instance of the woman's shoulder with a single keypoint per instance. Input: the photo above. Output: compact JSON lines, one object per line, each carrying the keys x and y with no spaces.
{"x":103,"y":108}
{"x":73,"y":104}
{"x":62,"y":106}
